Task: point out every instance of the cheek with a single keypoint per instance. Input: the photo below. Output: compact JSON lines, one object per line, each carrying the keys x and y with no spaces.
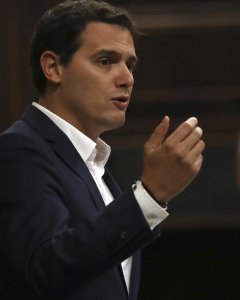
{"x":86,"y":87}
{"x":95,"y":89}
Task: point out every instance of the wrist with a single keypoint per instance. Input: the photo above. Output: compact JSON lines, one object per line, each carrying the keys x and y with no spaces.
{"x":161,"y":203}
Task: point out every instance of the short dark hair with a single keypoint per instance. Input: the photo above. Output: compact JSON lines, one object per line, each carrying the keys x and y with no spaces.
{"x":59,"y":30}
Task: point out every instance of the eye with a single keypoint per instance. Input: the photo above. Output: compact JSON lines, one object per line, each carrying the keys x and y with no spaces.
{"x":131,"y":66}
{"x":105,"y":61}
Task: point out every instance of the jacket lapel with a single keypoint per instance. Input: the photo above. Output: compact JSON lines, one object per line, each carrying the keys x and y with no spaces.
{"x":63,"y":148}
{"x":111,"y":183}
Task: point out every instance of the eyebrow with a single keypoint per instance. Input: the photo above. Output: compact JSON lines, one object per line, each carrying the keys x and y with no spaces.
{"x":115,"y":54}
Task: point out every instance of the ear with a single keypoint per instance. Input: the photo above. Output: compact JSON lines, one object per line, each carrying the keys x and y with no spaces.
{"x":51,"y":66}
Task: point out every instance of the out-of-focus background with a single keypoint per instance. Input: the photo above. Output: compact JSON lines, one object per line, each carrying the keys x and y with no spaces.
{"x":189,"y":66}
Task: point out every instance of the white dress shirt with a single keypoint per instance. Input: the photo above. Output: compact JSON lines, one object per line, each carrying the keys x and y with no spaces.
{"x":95,"y":156}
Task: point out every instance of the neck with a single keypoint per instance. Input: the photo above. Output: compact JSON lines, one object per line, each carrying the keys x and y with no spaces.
{"x":54,"y":107}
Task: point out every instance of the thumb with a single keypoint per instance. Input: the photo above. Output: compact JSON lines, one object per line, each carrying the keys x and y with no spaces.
{"x":159,"y":133}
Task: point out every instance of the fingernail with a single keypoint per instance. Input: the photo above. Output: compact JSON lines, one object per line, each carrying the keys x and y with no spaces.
{"x":192,"y":121}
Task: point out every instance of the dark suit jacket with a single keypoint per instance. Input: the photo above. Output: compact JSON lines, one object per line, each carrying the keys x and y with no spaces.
{"x":57,"y":239}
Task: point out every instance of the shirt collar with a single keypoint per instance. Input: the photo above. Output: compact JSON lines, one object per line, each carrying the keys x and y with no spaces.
{"x":87,"y":148}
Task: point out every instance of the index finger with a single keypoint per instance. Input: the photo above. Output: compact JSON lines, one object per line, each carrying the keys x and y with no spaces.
{"x":183,"y":130}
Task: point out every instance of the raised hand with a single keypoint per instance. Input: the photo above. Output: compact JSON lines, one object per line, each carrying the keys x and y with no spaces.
{"x":170,"y":164}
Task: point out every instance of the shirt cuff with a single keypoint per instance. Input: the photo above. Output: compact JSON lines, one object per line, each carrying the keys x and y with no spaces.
{"x":152,"y":211}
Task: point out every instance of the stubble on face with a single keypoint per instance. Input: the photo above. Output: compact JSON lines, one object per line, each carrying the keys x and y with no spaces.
{"x":97,"y":83}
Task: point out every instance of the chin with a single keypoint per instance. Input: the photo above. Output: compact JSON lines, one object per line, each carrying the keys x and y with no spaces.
{"x":117,"y":123}
{"x":120,"y":122}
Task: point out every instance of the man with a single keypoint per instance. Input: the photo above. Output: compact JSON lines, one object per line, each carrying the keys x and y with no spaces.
{"x":67,"y":230}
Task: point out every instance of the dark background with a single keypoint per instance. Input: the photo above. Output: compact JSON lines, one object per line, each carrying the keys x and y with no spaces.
{"x":189,"y":66}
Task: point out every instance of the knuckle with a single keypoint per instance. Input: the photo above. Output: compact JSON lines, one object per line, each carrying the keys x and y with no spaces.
{"x":169,"y":146}
{"x":178,"y":151}
{"x":186,"y":162}
{"x":189,"y":165}
{"x":192,"y":168}
{"x":187,"y":127}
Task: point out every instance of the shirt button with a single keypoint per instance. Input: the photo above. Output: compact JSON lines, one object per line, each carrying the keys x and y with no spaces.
{"x":124,"y":235}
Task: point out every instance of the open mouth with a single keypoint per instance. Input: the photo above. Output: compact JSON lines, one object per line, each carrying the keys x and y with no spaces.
{"x":121,"y":99}
{"x":120,"y":102}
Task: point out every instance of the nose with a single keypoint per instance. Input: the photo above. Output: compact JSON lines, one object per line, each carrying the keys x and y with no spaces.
{"x":125,"y":77}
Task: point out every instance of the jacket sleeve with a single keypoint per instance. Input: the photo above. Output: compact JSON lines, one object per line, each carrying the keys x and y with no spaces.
{"x":38,"y":238}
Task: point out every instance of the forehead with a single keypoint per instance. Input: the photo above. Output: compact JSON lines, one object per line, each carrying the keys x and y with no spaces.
{"x":98,"y":35}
